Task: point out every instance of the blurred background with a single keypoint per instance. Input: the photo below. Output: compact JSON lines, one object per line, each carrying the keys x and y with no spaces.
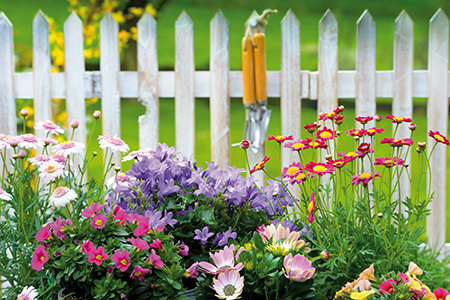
{"x":309,"y":13}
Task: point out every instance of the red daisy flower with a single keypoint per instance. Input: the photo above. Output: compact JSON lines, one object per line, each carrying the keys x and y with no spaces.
{"x":260,"y":165}
{"x":373,"y":130}
{"x":316,"y":144}
{"x":363,"y":120}
{"x":292,"y":171}
{"x":356,"y":132}
{"x":319,"y":168}
{"x":330,"y":116}
{"x":439,"y":138}
{"x":339,"y":163}
{"x":326,"y":134}
{"x":364,"y":178}
{"x":398,"y":120}
{"x":388,"y":161}
{"x":352,"y":155}
{"x":297,"y":145}
{"x":365,"y":148}
{"x":312,"y":127}
{"x":280,"y":139}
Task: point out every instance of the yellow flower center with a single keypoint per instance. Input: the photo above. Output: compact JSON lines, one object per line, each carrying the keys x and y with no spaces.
{"x":229,"y":290}
{"x":292,"y":170}
{"x":137,"y":273}
{"x":314,"y":144}
{"x":397,"y":119}
{"x":438,"y":137}
{"x":370,"y":130}
{"x":388,"y":161}
{"x":298,"y":145}
{"x":365,"y":175}
{"x":356,"y":132}
{"x":319,"y":168}
{"x":124,"y":262}
{"x":331,"y":114}
{"x":325,"y":135}
{"x":42,"y":257}
{"x":51,"y":169}
{"x":278,"y":137}
{"x":98,"y":257}
{"x":352,"y":154}
{"x":99,"y":222}
{"x":310,"y":206}
{"x":300,"y":176}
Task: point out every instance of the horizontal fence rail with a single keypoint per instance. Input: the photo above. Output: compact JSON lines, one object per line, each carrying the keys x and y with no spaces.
{"x":219,"y":84}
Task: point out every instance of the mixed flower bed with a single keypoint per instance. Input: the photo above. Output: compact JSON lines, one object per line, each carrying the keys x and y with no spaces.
{"x":167,"y":225}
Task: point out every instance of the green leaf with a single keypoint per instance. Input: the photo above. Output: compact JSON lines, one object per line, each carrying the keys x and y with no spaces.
{"x":206,"y":213}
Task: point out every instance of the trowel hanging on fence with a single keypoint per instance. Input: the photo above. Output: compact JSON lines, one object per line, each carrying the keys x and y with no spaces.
{"x":255,"y":82}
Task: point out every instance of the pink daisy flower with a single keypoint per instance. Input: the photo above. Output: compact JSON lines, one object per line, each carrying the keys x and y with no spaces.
{"x":113,"y":142}
{"x":223,"y":259}
{"x":388,"y":161}
{"x":62,"y":195}
{"x":319,"y":168}
{"x":312,"y":127}
{"x":356,"y":132}
{"x":39,"y":160}
{"x":97,"y":255}
{"x":12,"y":141}
{"x":316,"y":144}
{"x":398,"y":120}
{"x":439,"y":138}
{"x":329,"y":116}
{"x":138,"y":155}
{"x":292,"y":171}
{"x":301,"y":177}
{"x":339,"y":163}
{"x":352,"y":155}
{"x":364,"y":178}
{"x":363,"y":120}
{"x":30,"y":141}
{"x":50,"y":170}
{"x":49,"y":127}
{"x":280,"y":139}
{"x":228,"y":285}
{"x":372,"y":131}
{"x":68,"y":147}
{"x":326,"y":134}
{"x":48,"y":141}
{"x":59,"y":158}
{"x":297,"y":145}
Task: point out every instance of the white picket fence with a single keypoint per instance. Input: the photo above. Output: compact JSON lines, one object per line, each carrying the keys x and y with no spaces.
{"x":291,"y":84}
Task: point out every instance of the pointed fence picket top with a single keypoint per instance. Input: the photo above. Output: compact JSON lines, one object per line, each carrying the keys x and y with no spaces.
{"x":291,"y":86}
{"x":184,"y":85}
{"x":219,"y":88}
{"x":255,"y":158}
{"x":437,"y":116}
{"x":7,"y":98}
{"x":110,"y":67}
{"x":402,"y":105}
{"x":74,"y":72}
{"x":365,"y":67}
{"x":147,"y":53}
{"x":41,"y":70}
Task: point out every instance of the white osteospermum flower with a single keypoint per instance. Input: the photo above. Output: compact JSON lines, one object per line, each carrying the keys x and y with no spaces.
{"x":4,"y":195}
{"x":68,"y":148}
{"x":62,"y":195}
{"x":50,"y":170}
{"x":28,"y":293}
{"x":228,"y":285}
{"x":49,"y":127}
{"x":113,"y":142}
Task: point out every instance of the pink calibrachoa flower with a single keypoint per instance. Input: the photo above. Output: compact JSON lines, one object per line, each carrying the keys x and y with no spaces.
{"x":316,"y":144}
{"x":62,"y":195}
{"x":398,"y":120}
{"x":44,"y":233}
{"x":296,"y":145}
{"x":157,"y":244}
{"x":364,"y":178}
{"x":99,"y":221}
{"x":138,"y":155}
{"x":49,"y":127}
{"x":388,"y":161}
{"x":113,"y":142}
{"x":292,"y":171}
{"x":121,"y":215}
{"x":228,"y":285}
{"x":372,"y":131}
{"x":356,"y":132}
{"x":50,"y":170}
{"x":154,"y":260}
{"x":28,"y":293}
{"x":280,"y":139}
{"x":387,"y":286}
{"x":31,"y":141}
{"x":4,"y":195}
{"x":138,"y":243}
{"x":311,"y":208}
{"x":183,"y":249}
{"x":40,"y":257}
{"x":363,"y":120}
{"x":92,"y":210}
{"x":326,"y":134}
{"x":319,"y":168}
{"x":68,"y":147}
{"x":223,"y":259}
{"x":87,"y":246}
{"x":121,"y":259}
{"x":97,"y":255}
{"x":441,"y":294}
{"x":297,"y":268}
{"x":439,"y":138}
{"x":260,"y":165}
{"x":138,"y":273}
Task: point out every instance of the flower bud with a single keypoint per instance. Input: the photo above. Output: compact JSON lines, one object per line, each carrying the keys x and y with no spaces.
{"x":349,"y":249}
{"x":380,"y":215}
{"x":24,"y":112}
{"x":75,"y":123}
{"x":22,"y":153}
{"x":382,"y":229}
{"x":269,"y":281}
{"x":245,"y":144}
{"x":322,"y":113}
{"x":94,"y":153}
{"x":419,"y":204}
{"x":15,"y":156}
{"x":338,"y":133}
{"x":422,"y":144}
{"x":324,"y":255}
{"x":97,"y":114}
{"x":275,"y":194}
{"x":248,"y":264}
{"x":113,"y":163}
{"x":406,"y":165}
{"x":341,"y":107}
{"x":356,"y":138}
{"x":117,"y":169}
{"x":419,"y":150}
{"x":378,"y":118}
{"x":328,"y":156}
{"x":412,"y":127}
{"x":318,"y":124}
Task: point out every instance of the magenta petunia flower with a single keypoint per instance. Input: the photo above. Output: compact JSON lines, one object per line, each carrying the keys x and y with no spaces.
{"x":97,"y":255}
{"x":387,"y":286}
{"x":87,"y":246}
{"x":139,"y":243}
{"x":441,"y":294}
{"x":40,"y":257}
{"x":99,"y":221}
{"x":157,"y":244}
{"x":92,"y":209}
{"x":121,"y":259}
{"x":154,"y":260}
{"x":138,"y":273}
{"x":44,"y":233}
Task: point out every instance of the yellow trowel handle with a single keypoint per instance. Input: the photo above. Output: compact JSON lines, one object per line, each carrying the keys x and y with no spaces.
{"x":260,"y":66}
{"x":248,"y":72}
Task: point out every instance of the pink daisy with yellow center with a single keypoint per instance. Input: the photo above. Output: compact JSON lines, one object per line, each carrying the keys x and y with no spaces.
{"x":292,"y":171}
{"x":363,"y":120}
{"x":316,"y":144}
{"x":388,"y":161}
{"x":297,"y":145}
{"x":259,"y":166}
{"x":326,"y":134}
{"x":280,"y":139}
{"x":356,"y":132}
{"x":339,"y":163}
{"x":319,"y":168}
{"x":398,"y":120}
{"x":364,"y":178}
{"x":372,"y":131}
{"x":439,"y":138}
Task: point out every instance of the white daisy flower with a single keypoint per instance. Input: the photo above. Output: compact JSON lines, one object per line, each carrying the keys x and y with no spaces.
{"x":113,"y":142}
{"x":138,"y":155}
{"x":62,"y":195}
{"x":228,"y":284}
{"x":49,"y":127}
{"x":31,"y":141}
{"x":68,"y":147}
{"x":122,"y":179}
{"x":28,"y":293}
{"x":39,"y":159}
{"x":50,"y":170}
{"x":4,"y":195}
